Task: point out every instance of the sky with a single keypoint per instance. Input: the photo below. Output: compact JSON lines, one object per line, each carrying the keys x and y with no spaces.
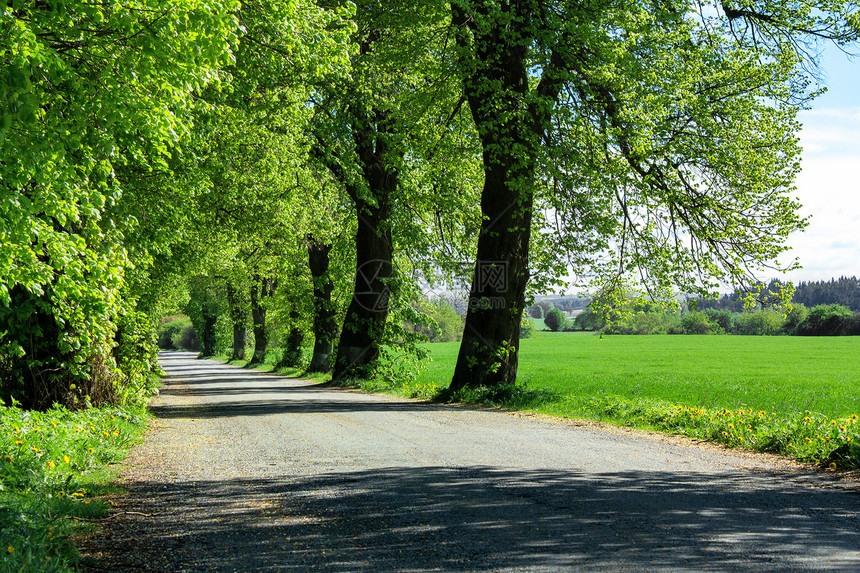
{"x":829,"y":185}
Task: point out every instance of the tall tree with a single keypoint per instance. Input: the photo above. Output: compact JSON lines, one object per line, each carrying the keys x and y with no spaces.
{"x":84,"y":89}
{"x":661,"y":137}
{"x":369,"y":128}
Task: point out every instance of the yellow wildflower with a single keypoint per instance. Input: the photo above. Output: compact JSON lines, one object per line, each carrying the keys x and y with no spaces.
{"x":52,"y":465}
{"x":10,"y":550}
{"x":19,"y":443}
{"x":67,"y":459}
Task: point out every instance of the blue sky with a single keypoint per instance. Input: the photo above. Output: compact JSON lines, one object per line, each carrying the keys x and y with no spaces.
{"x":829,"y":185}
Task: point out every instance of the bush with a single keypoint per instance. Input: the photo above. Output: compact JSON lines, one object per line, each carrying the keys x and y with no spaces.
{"x":827,"y":320}
{"x":697,"y":323}
{"x":795,"y":315}
{"x":527,"y":328}
{"x":178,"y":334}
{"x":759,"y":323}
{"x":555,"y":320}
{"x":648,"y":323}
{"x":725,"y":319}
{"x":588,"y":320}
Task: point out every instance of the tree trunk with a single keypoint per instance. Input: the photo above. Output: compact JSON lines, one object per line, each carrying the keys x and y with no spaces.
{"x":490,"y":347}
{"x":293,"y":346}
{"x":207,"y":336}
{"x":511,"y":119}
{"x":362,"y":330}
{"x":239,"y":317}
{"x":325,"y":323}
{"x":364,"y":325}
{"x":263,"y":287}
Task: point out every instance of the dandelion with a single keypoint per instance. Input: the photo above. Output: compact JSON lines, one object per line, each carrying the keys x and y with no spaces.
{"x":19,"y":443}
{"x":10,"y":550}
{"x":7,"y":458}
{"x":90,"y":450}
{"x":731,"y":426}
{"x":67,"y":459}
{"x":807,"y":419}
{"x":52,"y":465}
{"x":53,"y":423}
{"x":16,"y":428}
{"x":808,"y":440}
{"x":116,"y":432}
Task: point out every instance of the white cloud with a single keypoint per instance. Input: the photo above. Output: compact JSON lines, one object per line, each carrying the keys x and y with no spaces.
{"x":829,"y":189}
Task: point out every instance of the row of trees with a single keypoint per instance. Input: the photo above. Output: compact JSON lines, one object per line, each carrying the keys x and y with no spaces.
{"x":797,"y":319}
{"x":843,"y":291}
{"x":313,"y":163}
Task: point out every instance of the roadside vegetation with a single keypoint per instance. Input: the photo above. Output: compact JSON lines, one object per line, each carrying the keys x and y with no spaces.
{"x":54,"y":465}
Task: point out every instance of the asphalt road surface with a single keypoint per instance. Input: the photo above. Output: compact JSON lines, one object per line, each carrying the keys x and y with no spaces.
{"x":245,"y":471}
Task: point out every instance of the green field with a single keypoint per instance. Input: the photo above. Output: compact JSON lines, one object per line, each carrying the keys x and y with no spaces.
{"x":795,"y":396}
{"x":775,"y":373}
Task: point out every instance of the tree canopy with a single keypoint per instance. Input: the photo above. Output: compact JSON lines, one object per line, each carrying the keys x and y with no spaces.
{"x":301,"y":170}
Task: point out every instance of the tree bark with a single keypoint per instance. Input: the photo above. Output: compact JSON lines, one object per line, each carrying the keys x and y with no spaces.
{"x":262,"y":288}
{"x":364,"y":325}
{"x":361,"y":334}
{"x":325,"y":323}
{"x":239,"y":318}
{"x":511,"y":120}
{"x":293,"y":347}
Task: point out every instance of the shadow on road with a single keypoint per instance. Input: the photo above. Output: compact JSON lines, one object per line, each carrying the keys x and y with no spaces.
{"x":489,"y":519}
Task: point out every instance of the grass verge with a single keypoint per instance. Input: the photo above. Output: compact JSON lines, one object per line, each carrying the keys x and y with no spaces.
{"x":53,"y":467}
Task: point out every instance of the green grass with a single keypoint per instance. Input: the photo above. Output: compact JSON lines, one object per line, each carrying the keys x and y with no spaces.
{"x":53,"y":467}
{"x":777,"y":374}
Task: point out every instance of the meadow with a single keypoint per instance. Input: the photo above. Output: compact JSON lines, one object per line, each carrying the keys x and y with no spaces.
{"x":779,"y":374}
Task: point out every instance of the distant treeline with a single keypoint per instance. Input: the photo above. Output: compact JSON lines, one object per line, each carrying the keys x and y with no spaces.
{"x":818,"y":308}
{"x":843,"y":291}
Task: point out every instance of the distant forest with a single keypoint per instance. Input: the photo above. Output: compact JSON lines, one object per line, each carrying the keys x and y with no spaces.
{"x":843,"y":291}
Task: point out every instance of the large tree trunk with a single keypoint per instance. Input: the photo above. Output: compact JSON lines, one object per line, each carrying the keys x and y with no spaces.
{"x":239,"y":318}
{"x":325,"y":323}
{"x":364,"y":325}
{"x":491,"y":338}
{"x":362,"y":330}
{"x":263,"y":287}
{"x":511,"y":119}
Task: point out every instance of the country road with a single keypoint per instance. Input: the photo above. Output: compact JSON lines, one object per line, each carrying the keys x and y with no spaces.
{"x":246,"y":471}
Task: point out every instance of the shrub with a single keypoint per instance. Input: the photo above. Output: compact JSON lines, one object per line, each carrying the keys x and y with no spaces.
{"x":648,"y":323}
{"x":795,"y":315}
{"x":555,"y":320}
{"x":589,"y":320}
{"x":827,"y":320}
{"x":527,"y":328}
{"x":725,"y":319}
{"x":178,"y":334}
{"x":759,"y":323}
{"x":696,"y":323}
